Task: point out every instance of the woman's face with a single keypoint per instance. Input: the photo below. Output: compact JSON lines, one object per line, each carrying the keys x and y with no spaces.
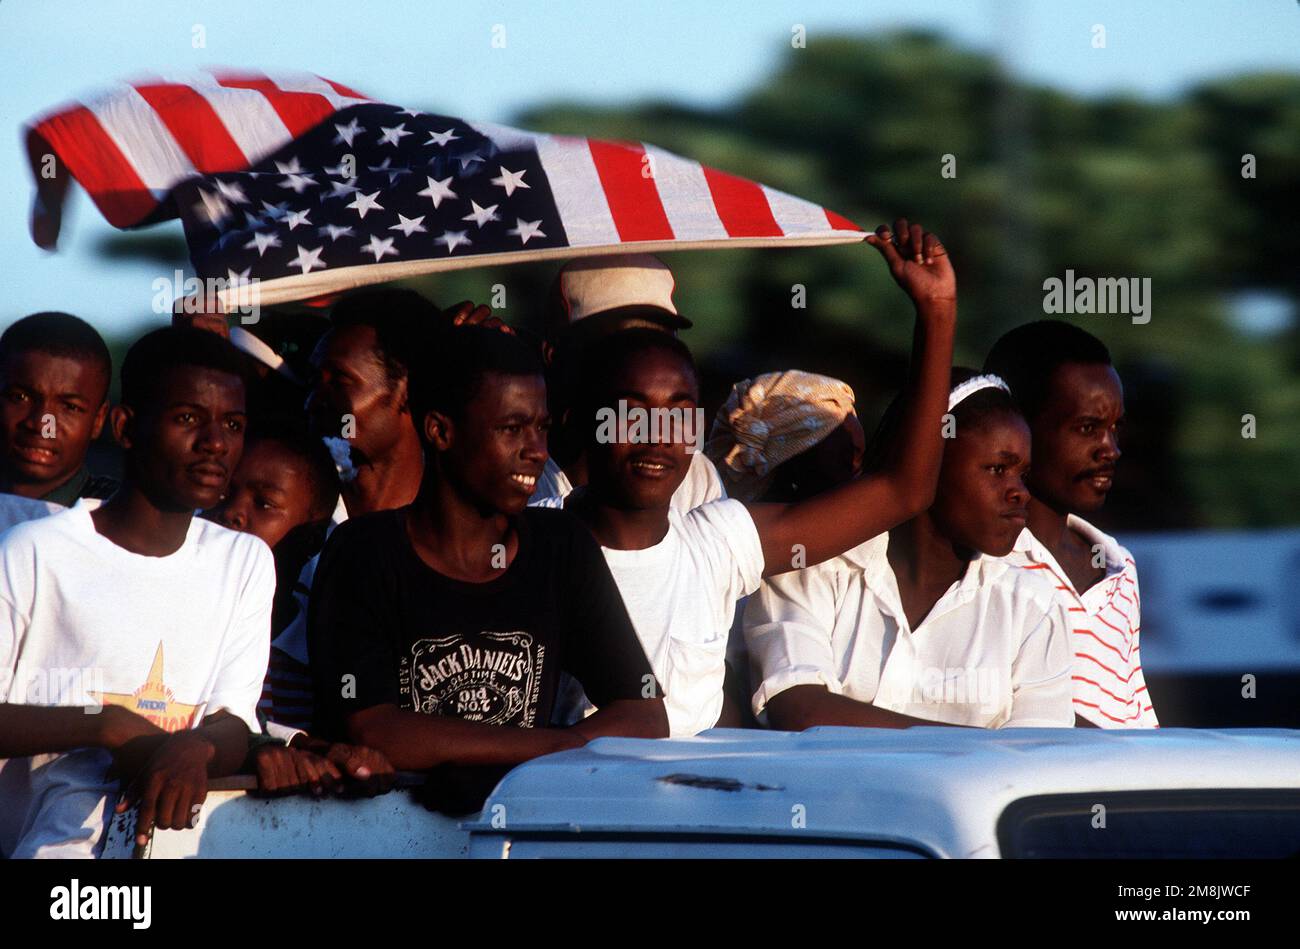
{"x":982,"y":501}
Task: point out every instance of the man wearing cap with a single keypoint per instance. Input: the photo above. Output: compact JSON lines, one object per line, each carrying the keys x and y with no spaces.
{"x":591,"y":298}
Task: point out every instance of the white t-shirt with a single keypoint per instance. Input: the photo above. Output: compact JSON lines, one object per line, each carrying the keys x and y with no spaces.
{"x":1105,"y":622}
{"x":993,"y":651}
{"x":701,"y":485}
{"x":681,"y":596}
{"x":84,"y":621}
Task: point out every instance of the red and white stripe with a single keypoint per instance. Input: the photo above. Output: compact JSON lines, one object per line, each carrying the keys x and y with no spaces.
{"x":1108,"y":684}
{"x":619,"y":193}
{"x":131,"y":146}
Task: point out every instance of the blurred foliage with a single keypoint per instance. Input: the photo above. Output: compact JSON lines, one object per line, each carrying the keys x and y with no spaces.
{"x":1113,"y":187}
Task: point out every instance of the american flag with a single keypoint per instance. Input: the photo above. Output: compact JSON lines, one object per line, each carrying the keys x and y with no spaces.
{"x":307,"y":187}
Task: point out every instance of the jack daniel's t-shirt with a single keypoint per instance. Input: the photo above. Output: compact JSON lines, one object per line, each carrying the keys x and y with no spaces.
{"x":384,"y":627}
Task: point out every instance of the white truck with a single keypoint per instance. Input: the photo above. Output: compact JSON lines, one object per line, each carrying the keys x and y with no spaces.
{"x":827,"y":792}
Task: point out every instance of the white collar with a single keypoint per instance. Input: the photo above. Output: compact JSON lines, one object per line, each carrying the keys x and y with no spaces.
{"x":871,"y":559}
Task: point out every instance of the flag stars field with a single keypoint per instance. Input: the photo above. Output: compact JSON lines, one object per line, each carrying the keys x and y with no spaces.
{"x":408,"y":225}
{"x":437,"y":191}
{"x":364,"y":203}
{"x":308,"y":260}
{"x":481,"y":216}
{"x":442,"y":138}
{"x":380,"y":248}
{"x":348,"y":132}
{"x":526,"y":229}
{"x":510,"y":180}
{"x":453,"y":239}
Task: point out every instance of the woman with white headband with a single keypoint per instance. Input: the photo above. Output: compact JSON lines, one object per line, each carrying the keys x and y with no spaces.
{"x":925,"y":624}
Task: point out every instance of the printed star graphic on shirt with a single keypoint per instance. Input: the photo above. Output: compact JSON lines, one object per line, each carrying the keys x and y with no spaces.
{"x":436,"y":191}
{"x":153,"y":700}
{"x":442,"y":138}
{"x":481,"y":216}
{"x":526,"y":229}
{"x":232,"y":191}
{"x":392,"y":136}
{"x":409,"y":225}
{"x":262,"y":242}
{"x":347,"y":132}
{"x":366,"y":202}
{"x":335,"y":232}
{"x":380,"y":248}
{"x":393,"y":173}
{"x":213,"y":207}
{"x":308,"y":259}
{"x":298,"y":217}
{"x":510,"y":180}
{"x":453,"y":239}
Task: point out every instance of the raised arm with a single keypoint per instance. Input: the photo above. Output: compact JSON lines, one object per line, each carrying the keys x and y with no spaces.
{"x":843,"y":517}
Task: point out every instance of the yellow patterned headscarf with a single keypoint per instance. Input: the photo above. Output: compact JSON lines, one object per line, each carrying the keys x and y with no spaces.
{"x":768,"y":420}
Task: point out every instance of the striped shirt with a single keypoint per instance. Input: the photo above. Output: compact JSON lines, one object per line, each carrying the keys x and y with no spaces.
{"x":1108,"y":685}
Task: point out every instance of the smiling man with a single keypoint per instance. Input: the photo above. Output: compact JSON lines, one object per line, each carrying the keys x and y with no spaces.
{"x":1072,"y":397}
{"x":54,"y":377}
{"x":162,"y":618}
{"x":438,"y":631}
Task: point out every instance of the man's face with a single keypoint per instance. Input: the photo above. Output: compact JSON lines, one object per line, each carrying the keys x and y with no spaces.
{"x":1076,"y":438}
{"x":981,"y":502}
{"x":183,"y":448}
{"x":350,"y":379}
{"x":51,"y":408}
{"x":498,"y":449}
{"x":643,"y":476}
{"x":269,"y":494}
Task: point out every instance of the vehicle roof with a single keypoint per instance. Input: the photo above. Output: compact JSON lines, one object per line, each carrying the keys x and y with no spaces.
{"x":1218,"y":600}
{"x":939,"y":789}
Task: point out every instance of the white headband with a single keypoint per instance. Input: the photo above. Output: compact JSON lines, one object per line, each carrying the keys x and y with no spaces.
{"x":968,"y":388}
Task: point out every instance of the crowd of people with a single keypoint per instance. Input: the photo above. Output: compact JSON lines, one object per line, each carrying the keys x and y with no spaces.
{"x":431,"y":557}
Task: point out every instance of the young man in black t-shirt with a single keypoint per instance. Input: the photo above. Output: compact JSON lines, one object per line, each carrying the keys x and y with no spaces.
{"x":438,"y":631}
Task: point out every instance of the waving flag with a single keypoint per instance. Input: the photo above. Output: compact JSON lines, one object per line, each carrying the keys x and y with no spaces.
{"x":308,"y":187}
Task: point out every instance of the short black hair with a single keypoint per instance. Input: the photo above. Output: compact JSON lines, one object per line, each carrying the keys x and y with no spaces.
{"x":450,"y":370}
{"x":969,"y":414}
{"x":402,"y":319}
{"x":606,"y":357}
{"x":58,"y":334}
{"x":1027,"y":356}
{"x":292,"y":435}
{"x":149,"y":358}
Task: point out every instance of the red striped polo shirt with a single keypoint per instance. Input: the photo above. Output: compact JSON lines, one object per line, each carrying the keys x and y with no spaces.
{"x":1109,"y":689}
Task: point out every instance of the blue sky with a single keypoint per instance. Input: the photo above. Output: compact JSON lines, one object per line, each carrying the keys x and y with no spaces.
{"x":439,"y":55}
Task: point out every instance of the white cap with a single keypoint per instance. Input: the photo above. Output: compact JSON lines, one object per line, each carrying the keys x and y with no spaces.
{"x":639,"y":286}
